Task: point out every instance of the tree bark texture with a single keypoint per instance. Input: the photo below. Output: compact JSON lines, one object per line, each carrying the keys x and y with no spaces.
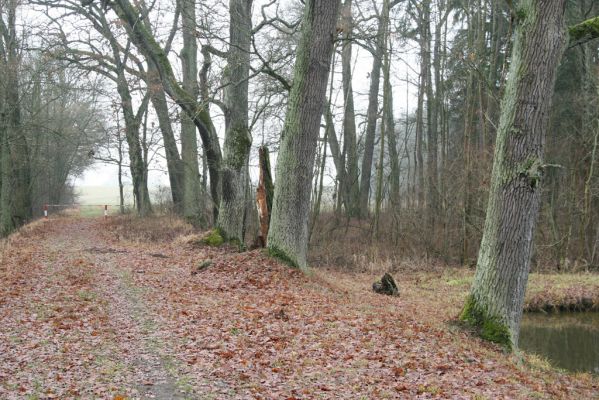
{"x":192,"y":209}
{"x":288,"y":234}
{"x":173,"y":159}
{"x":351,"y":184}
{"x":236,"y":151}
{"x":497,"y":293}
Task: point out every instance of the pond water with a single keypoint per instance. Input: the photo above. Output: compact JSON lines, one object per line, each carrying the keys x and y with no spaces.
{"x":569,"y":339}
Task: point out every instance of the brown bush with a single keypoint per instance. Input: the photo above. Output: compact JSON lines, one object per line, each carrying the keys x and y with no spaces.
{"x":164,"y":228}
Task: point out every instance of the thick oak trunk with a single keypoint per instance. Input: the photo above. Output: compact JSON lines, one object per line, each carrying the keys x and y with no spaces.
{"x":234,"y":172}
{"x":497,"y":294}
{"x":288,"y":235}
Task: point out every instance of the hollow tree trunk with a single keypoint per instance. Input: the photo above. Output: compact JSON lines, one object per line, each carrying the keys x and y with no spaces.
{"x":288,"y":234}
{"x":497,"y":293}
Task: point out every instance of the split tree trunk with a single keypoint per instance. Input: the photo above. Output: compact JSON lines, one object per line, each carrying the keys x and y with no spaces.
{"x":264,"y":194}
{"x":497,"y":294}
{"x":288,"y":235}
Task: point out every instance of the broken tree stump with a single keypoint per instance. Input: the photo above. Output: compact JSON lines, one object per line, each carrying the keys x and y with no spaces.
{"x":264,"y":194}
{"x":386,"y":286}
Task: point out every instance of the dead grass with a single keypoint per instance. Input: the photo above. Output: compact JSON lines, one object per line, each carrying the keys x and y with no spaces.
{"x":350,"y":245}
{"x":33,"y":229}
{"x":563,"y":292}
{"x":164,"y":228}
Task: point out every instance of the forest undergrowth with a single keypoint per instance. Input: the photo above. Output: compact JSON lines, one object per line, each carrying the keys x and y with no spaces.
{"x":130,"y":308}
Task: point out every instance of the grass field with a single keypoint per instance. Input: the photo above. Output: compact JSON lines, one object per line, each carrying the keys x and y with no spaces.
{"x":89,"y":195}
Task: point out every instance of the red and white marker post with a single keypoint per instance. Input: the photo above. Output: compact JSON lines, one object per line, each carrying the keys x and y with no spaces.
{"x":105,"y":211}
{"x":45,"y":211}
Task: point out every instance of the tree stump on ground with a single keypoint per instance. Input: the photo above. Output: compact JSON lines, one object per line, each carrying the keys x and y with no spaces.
{"x":386,"y":286}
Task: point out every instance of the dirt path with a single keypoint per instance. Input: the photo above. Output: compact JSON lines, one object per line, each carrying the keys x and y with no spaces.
{"x":85,"y":312}
{"x":74,"y":324}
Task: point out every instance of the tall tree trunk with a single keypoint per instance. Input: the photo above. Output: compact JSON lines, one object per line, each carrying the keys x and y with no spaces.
{"x":431,"y":120}
{"x":497,"y":293}
{"x":264,"y":193}
{"x":422,"y":92}
{"x":372,"y":112}
{"x":319,"y":188}
{"x":392,"y":140}
{"x":351,"y":184}
{"x":419,"y":159}
{"x":467,"y":151}
{"x":173,"y":159}
{"x":4,"y":164}
{"x":335,"y":154}
{"x":137,"y":166}
{"x":192,"y":209}
{"x":288,"y":235}
{"x":234,"y":172}
{"x":120,"y":166}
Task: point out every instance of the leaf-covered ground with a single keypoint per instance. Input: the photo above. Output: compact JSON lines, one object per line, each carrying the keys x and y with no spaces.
{"x":86,"y":313}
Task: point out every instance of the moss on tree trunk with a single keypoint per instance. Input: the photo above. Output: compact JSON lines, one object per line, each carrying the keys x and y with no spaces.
{"x":288,"y":234}
{"x":234,"y":173}
{"x":497,"y":293}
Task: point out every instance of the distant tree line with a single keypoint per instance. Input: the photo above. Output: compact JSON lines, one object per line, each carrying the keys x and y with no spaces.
{"x":48,"y":124}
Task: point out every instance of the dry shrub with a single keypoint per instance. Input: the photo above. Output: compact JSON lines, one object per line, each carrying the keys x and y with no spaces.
{"x":32,"y":229}
{"x":164,"y":228}
{"x":193,"y":239}
{"x":349,"y":244}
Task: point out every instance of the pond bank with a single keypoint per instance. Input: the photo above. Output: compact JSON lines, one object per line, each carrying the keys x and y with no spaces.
{"x":569,"y":340}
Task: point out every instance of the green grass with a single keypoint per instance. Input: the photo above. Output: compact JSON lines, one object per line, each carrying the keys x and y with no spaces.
{"x":93,"y":211}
